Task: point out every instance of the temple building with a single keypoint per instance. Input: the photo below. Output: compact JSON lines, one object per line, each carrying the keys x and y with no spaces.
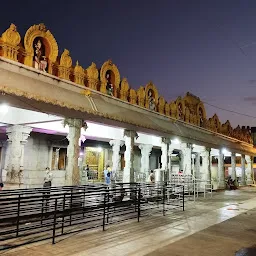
{"x":57,"y":114}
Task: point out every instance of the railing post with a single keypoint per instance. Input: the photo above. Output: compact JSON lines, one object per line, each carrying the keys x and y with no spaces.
{"x":63,"y":214}
{"x":183,"y":204}
{"x":139,"y":196}
{"x":54,"y":221}
{"x":108,"y":207}
{"x":104,"y":212}
{"x":71,"y":207}
{"x":18,"y":218}
{"x":84,"y":202}
{"x":42,"y":211}
{"x":194,"y":188}
{"x":163,"y":200}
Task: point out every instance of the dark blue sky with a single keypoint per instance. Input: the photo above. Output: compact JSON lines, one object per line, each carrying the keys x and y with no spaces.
{"x":180,"y":45}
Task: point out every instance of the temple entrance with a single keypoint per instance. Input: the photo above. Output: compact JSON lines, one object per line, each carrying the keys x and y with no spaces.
{"x":94,"y":159}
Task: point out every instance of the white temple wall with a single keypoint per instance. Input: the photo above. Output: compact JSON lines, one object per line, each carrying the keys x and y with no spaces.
{"x":214,"y":175}
{"x":36,"y":155}
{"x":36,"y":159}
{"x":36,"y":178}
{"x":175,"y":168}
{"x":153,"y":159}
{"x":136,"y":161}
{"x":108,"y":156}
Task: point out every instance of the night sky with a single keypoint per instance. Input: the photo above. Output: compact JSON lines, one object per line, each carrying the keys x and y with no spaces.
{"x":206,"y":47}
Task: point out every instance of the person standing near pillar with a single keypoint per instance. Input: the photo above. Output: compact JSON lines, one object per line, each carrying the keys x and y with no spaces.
{"x":48,"y":178}
{"x":47,"y":188}
{"x":152,"y":177}
{"x":107,"y":175}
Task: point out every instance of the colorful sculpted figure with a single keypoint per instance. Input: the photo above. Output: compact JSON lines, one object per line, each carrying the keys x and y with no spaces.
{"x":151,"y":101}
{"x":201,"y":119}
{"x":109,"y":87}
{"x":40,"y":59}
{"x":180,"y":112}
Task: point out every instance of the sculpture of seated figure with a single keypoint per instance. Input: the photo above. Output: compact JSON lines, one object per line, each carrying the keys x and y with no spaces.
{"x":180,"y":112}
{"x":109,"y":86}
{"x":151,"y":101}
{"x":201,"y":119}
{"x":40,"y":60}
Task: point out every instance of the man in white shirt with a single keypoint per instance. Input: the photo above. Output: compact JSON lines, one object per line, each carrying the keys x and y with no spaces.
{"x":47,"y":188}
{"x":152,"y":177}
{"x":47,"y":178}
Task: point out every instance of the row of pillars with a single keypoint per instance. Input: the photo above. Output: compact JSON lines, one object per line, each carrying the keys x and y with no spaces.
{"x":18,"y":135}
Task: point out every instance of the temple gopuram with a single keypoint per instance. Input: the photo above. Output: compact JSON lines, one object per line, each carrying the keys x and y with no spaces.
{"x":77,"y":120}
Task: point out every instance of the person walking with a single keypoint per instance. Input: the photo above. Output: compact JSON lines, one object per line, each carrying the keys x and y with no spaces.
{"x":47,"y":187}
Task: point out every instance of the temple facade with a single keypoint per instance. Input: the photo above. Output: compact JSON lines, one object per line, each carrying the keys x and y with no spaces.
{"x":77,"y":121}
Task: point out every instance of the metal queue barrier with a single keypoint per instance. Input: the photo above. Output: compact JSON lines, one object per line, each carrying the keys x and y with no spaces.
{"x":31,"y":215}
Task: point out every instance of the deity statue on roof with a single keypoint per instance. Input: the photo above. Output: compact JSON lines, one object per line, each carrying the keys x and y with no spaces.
{"x":151,"y":100}
{"x":40,"y":61}
{"x":109,"y":87}
{"x":201,"y":117}
{"x":180,"y":111}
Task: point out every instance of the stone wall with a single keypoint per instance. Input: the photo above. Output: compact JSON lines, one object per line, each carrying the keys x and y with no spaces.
{"x":37,"y":152}
{"x":33,"y":179}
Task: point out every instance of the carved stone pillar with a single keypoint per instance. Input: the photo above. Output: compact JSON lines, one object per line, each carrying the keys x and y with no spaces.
{"x":145,"y":153}
{"x":243,"y":182}
{"x":72,"y":171}
{"x":129,"y":155}
{"x":193,"y":157}
{"x":116,"y":144}
{"x":221,"y":171}
{"x":233,"y":166}
{"x":164,"y":156}
{"x":186,"y":149}
{"x":170,"y":152}
{"x":197,"y":166}
{"x":17,"y":138}
{"x":249,"y":170}
{"x":206,"y":168}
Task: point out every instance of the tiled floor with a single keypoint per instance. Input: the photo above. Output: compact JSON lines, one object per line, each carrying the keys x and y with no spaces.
{"x":156,"y":235}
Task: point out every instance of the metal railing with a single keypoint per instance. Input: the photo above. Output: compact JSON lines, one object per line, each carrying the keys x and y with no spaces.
{"x":30,"y":215}
{"x":192,"y":186}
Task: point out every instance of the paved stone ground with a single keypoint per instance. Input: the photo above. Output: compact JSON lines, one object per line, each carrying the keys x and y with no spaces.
{"x":218,"y":226}
{"x":226,"y":238}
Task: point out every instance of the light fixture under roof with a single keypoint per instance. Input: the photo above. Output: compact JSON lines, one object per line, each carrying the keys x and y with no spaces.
{"x":175,"y":141}
{"x":4,"y":108}
{"x":224,"y":151}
